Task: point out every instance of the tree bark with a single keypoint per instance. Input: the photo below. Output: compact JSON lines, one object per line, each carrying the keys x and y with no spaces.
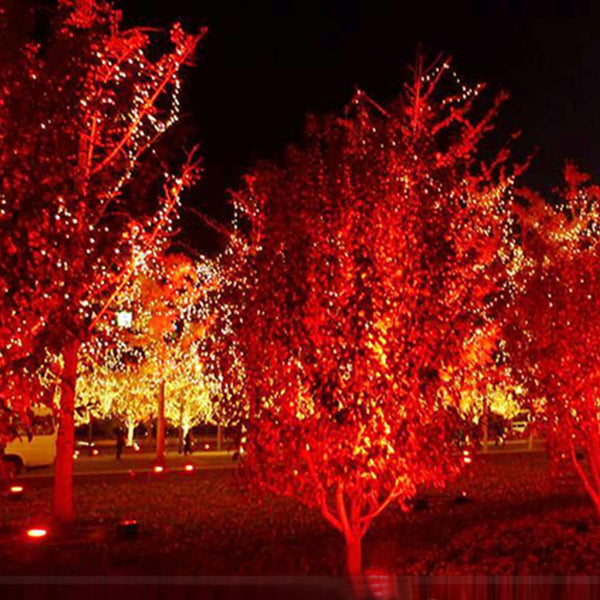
{"x":219,"y":437}
{"x":181,"y":438}
{"x":130,"y":432}
{"x":485,"y":423}
{"x":150,"y":426}
{"x":353,"y":555}
{"x":65,"y":440}
{"x":160,"y":426}
{"x":354,"y":564}
{"x":182,"y":431}
{"x":90,"y":432}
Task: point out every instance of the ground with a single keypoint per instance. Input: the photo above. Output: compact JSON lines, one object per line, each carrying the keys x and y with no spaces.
{"x":518,"y":517}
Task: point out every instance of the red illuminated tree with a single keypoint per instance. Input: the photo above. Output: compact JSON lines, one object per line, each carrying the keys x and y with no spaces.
{"x":80,"y":110}
{"x":377,"y":248}
{"x":552,"y":331}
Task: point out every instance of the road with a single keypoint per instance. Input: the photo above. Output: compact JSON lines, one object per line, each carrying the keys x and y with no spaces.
{"x":105,"y":465}
{"x":514,"y":446}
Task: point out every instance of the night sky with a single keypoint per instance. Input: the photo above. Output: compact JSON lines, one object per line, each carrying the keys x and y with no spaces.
{"x":265,"y":64}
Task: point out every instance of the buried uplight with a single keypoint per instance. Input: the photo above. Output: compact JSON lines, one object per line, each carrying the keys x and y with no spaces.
{"x":382,"y":585}
{"x":15,"y":492}
{"x":37,"y":533}
{"x":189,"y":468}
{"x":158,"y":469}
{"x":127,"y":528}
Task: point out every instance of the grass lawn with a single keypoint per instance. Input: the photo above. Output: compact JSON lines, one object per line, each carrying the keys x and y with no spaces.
{"x":520,"y":520}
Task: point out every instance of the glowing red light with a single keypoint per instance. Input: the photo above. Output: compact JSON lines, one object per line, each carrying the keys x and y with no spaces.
{"x":206,"y":446}
{"x":16,"y":489}
{"x":158,"y":469}
{"x":189,"y":467}
{"x":127,"y":528}
{"x":37,"y":532}
{"x":381,"y":584}
{"x":95,"y":452}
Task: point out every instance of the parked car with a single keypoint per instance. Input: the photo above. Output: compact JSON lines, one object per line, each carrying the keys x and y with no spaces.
{"x":84,"y":447}
{"x":520,"y":423}
{"x":33,"y":447}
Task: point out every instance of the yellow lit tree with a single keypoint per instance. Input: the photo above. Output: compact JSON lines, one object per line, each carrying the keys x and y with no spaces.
{"x":189,"y":389}
{"x":169,"y":324}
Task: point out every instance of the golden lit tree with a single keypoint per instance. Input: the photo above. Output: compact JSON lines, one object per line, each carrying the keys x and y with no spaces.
{"x":118,"y":384}
{"x":190,"y":390}
{"x":483,"y":382}
{"x":169,"y":323}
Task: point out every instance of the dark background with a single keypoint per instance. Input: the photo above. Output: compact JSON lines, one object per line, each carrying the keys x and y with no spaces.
{"x":266,"y":63}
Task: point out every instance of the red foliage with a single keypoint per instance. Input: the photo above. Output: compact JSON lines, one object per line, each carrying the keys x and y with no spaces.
{"x":553,"y":333}
{"x":377,"y":247}
{"x":78,"y":111}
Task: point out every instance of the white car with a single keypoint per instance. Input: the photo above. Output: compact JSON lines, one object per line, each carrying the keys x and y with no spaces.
{"x":33,"y":448}
{"x":520,"y":423}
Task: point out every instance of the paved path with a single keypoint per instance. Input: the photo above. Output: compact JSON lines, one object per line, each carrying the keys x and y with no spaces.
{"x":140,"y":462}
{"x":132,"y":463}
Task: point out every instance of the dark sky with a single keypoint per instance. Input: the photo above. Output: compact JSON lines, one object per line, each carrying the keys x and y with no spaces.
{"x":266,"y":63}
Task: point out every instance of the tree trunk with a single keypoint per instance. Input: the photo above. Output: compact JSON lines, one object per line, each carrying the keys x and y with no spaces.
{"x":65,"y":440}
{"x":150,"y":425}
{"x":182,"y":432}
{"x":219,"y":438}
{"x":90,"y":432}
{"x":485,"y":423}
{"x":354,"y":564}
{"x":592,"y":485}
{"x":353,"y":555}
{"x":130,"y":432}
{"x":181,"y":440}
{"x":160,"y":426}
